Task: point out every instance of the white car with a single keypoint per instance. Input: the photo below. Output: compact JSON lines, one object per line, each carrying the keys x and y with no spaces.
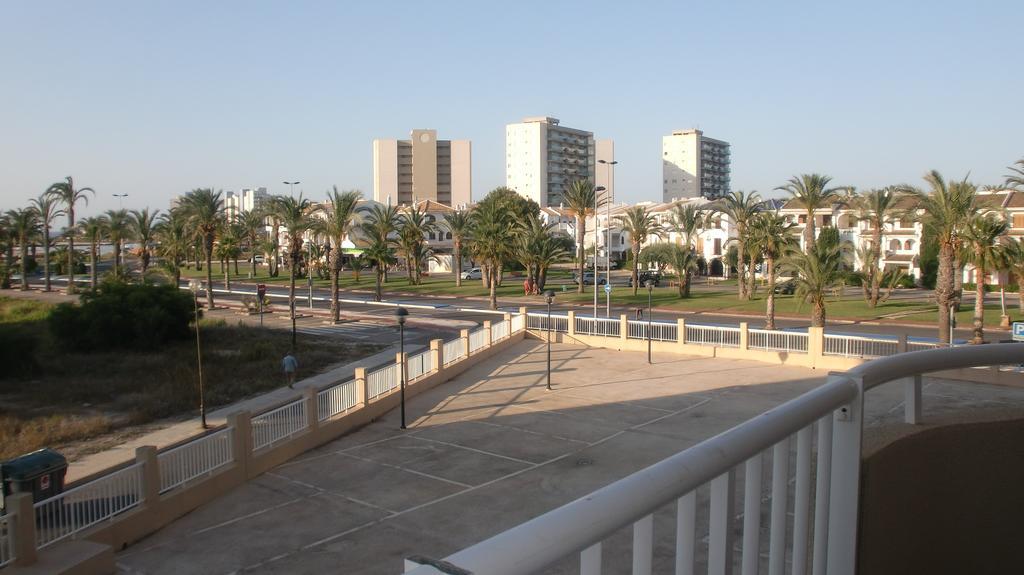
{"x":473,"y":274}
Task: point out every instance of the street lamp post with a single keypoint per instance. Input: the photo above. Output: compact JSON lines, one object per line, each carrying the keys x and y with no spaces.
{"x":650,"y":290}
{"x":291,"y":187}
{"x":194,"y":286}
{"x":608,"y":236}
{"x":549,"y":296}
{"x":400,"y":315}
{"x":597,"y":194}
{"x":120,"y":200}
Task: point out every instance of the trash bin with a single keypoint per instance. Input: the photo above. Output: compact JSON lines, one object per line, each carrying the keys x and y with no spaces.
{"x":40,"y":473}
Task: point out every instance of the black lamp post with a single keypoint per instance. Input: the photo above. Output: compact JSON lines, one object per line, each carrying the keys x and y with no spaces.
{"x":650,"y":290}
{"x":400,"y":315}
{"x":194,"y":286}
{"x":549,"y":296}
{"x":608,"y":235}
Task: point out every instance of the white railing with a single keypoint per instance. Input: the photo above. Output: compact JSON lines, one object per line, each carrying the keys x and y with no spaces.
{"x":518,"y":323}
{"x":477,"y":339}
{"x":816,"y":533}
{"x":777,"y":340}
{"x":420,"y":365}
{"x":598,"y":326}
{"x":77,"y":509}
{"x":718,"y":335}
{"x":499,"y":330}
{"x":660,"y":330}
{"x":278,"y":424}
{"x":454,"y":350}
{"x":917,"y":345}
{"x":195,"y":459}
{"x":6,"y":540}
{"x":336,"y":399}
{"x":382,"y":380}
{"x":860,"y":346}
{"x":539,"y":321}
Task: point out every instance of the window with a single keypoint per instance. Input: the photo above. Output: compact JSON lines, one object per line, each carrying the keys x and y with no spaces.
{"x":894,"y":245}
{"x":1018,"y":220}
{"x":718,"y":246}
{"x":802,"y":219}
{"x":908,"y":245}
{"x":826,"y":220}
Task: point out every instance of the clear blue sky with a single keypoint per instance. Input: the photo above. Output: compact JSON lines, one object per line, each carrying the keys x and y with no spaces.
{"x":156,"y":98}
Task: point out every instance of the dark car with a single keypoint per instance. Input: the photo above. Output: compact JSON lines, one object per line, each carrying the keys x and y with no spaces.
{"x":786,"y":288}
{"x":646,"y":276}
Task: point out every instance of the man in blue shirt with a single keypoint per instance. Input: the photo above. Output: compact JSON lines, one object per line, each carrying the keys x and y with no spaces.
{"x":290,"y":365}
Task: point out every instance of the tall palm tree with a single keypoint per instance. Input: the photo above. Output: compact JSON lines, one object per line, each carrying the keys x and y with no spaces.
{"x":339,"y":219}
{"x":582,"y":201}
{"x":683,"y":259}
{"x":740,"y":208}
{"x":811,"y":190}
{"x":414,"y":227}
{"x":536,"y":247}
{"x":93,"y":229}
{"x":143,"y":229}
{"x":173,"y":235}
{"x":48,"y":208}
{"x":1013,"y":252}
{"x":773,"y":238}
{"x":296,"y":215}
{"x":815,"y":272}
{"x":377,"y":227}
{"x":24,"y":224}
{"x":66,"y":193}
{"x":7,"y":247}
{"x":946,"y":208}
{"x":878,"y":208}
{"x":983,"y":250}
{"x":493,"y":236}
{"x":641,"y":225}
{"x":251,"y":228}
{"x":458,"y":223}
{"x":228,"y":249}
{"x":118,"y":228}
{"x":1015,"y":179}
{"x":203,"y":209}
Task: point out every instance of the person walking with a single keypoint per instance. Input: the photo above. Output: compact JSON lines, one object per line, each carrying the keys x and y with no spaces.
{"x":290,"y":365}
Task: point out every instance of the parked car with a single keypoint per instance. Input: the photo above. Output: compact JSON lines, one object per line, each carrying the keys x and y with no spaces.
{"x":588,"y":279}
{"x":473,"y":274}
{"x":644,"y":276}
{"x":786,"y":288}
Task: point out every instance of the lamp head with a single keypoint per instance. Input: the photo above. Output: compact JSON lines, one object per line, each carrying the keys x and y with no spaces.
{"x":400,"y":314}
{"x":549,"y":295}
{"x":194,"y":285}
{"x":650,"y":285}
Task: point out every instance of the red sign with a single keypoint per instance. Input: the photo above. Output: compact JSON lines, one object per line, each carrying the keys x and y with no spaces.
{"x":261,"y":290}
{"x":44,"y":482}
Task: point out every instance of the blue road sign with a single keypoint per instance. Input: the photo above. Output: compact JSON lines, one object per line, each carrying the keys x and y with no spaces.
{"x":608,"y":289}
{"x":1018,"y":331}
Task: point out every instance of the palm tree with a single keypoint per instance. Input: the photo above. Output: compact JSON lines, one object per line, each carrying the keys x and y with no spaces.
{"x":377,"y":227}
{"x":815,"y":272}
{"x":982,"y":249}
{"x":251,"y":228}
{"x":339,"y":219}
{"x":118,"y":227}
{"x":93,"y":229}
{"x":687,"y":221}
{"x":878,"y":208}
{"x":48,"y":208}
{"x":683,"y":259}
{"x":7,"y":247}
{"x":414,"y":227}
{"x":641,"y":225}
{"x":458,"y":223}
{"x":67,"y":195}
{"x":740,"y":208}
{"x":493,"y":236}
{"x":174,"y":242}
{"x":1013,"y":253}
{"x":296,"y":215}
{"x":582,"y":201}
{"x":1015,"y":178}
{"x":947,"y":208}
{"x":772,"y":236}
{"x":24,"y":223}
{"x":811,"y":191}
{"x":228,"y":249}
{"x":537,"y":247}
{"x":143,"y":229}
{"x":203,"y":209}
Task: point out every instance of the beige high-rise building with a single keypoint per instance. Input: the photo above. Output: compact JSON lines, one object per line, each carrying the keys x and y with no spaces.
{"x":542,"y":158}
{"x":422,"y":168}
{"x":693,"y":166}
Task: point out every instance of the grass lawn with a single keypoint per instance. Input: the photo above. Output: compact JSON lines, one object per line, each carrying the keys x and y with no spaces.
{"x":68,"y":397}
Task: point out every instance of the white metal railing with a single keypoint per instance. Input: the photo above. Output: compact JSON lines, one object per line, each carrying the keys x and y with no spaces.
{"x":918,"y":345}
{"x":777,"y":340}
{"x":518,"y":323}
{"x":539,"y":321}
{"x":477,"y":339}
{"x":6,"y":540}
{"x":382,"y":380}
{"x":720,"y":335}
{"x":195,"y":459}
{"x":860,"y":345}
{"x":278,"y":424}
{"x":598,"y":326}
{"x":499,"y":330}
{"x":79,"y":508}
{"x":816,"y":533}
{"x":454,"y":350}
{"x":336,"y":399}
{"x":660,"y":330}
{"x":420,"y":365}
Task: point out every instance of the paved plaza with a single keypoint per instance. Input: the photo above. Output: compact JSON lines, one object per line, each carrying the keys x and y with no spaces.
{"x":488,"y":451}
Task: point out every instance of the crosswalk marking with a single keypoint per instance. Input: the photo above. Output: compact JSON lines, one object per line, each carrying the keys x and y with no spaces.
{"x":351,"y":330}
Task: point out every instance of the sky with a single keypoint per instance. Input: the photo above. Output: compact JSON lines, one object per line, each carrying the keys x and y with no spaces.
{"x":153,"y":99}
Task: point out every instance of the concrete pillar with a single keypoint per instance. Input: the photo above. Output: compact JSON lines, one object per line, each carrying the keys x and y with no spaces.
{"x":487,"y":333}
{"x":681,"y":330}
{"x":21,"y":506}
{"x":522,"y":310}
{"x":744,"y":335}
{"x":437,"y":354}
{"x":623,"y":327}
{"x":312,"y":407}
{"x":146,"y":455}
{"x":901,"y":347}
{"x":572,"y":323}
{"x":912,"y":399}
{"x":240,"y":423}
{"x":362,"y":391}
{"x":815,"y":345}
{"x":464,"y":336}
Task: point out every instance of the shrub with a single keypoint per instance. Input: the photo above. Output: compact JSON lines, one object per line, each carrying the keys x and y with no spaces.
{"x":17,"y":353}
{"x":123,"y":316}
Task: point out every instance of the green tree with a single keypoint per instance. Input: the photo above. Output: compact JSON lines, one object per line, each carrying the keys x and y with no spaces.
{"x":458,"y":223}
{"x":296,"y":215}
{"x":117,"y":230}
{"x":811,"y":191}
{"x":879,"y":208}
{"x":228,"y":249}
{"x":251,"y":227}
{"x":1015,"y":179}
{"x":204,"y":210}
{"x":582,"y":201}
{"x":377,"y":227}
{"x":740,"y":208}
{"x":339,"y":219}
{"x":1013,"y":254}
{"x":7,"y":247}
{"x":24,"y":223}
{"x":48,"y":208}
{"x":687,"y":221}
{"x":143,"y":231}
{"x":982,"y":249}
{"x":172,"y":233}
{"x":66,"y":193}
{"x":815,"y":272}
{"x":413,"y":228}
{"x":772,"y":236}
{"x":641,"y":225}
{"x":493,"y":236}
{"x":537,"y":248}
{"x":683,"y":259}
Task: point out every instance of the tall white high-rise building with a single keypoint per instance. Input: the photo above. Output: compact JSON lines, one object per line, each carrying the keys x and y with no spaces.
{"x":246,"y":199}
{"x":542,"y":158}
{"x":694,"y":165}
{"x":422,"y":168}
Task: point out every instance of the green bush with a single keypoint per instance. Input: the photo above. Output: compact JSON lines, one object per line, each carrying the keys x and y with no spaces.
{"x":17,"y":353}
{"x":123,"y":316}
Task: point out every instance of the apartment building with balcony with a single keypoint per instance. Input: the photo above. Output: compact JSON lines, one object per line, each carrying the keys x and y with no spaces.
{"x":422,"y":168}
{"x":543,"y":158}
{"x":694,"y":165}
